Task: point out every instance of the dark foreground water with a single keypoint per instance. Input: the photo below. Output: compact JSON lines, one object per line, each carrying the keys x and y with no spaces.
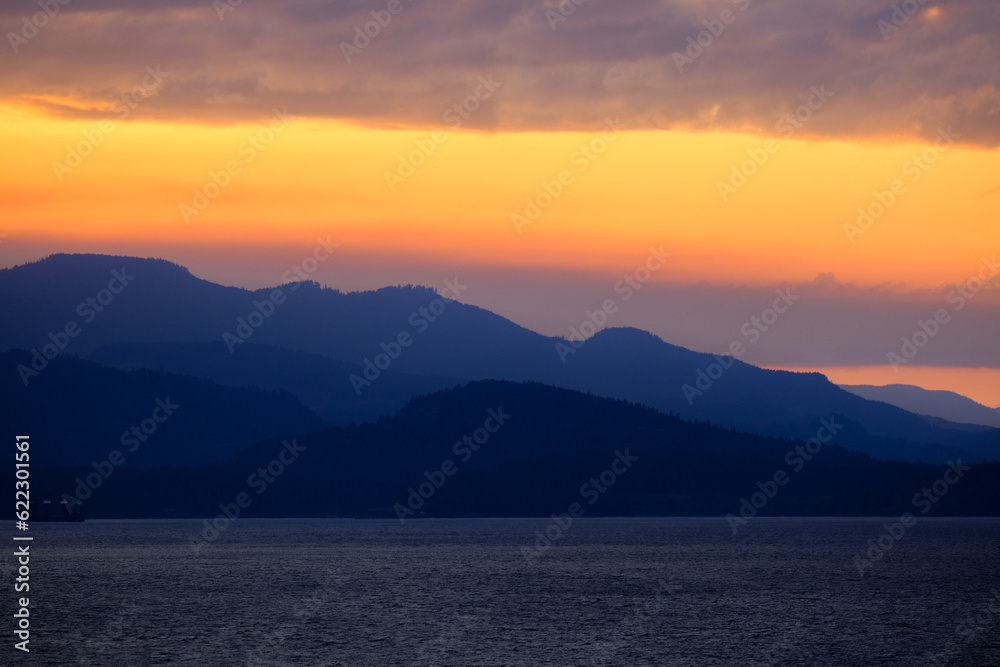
{"x":462,"y":592}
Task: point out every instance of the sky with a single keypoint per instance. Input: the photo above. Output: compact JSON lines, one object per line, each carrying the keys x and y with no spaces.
{"x":541,"y":152}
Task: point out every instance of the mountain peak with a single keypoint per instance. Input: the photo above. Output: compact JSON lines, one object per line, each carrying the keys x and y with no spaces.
{"x":89,"y":261}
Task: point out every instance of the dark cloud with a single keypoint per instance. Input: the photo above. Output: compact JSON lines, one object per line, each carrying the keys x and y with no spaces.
{"x":605,"y":59}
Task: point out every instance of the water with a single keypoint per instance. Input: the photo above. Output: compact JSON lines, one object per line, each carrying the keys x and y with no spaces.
{"x":461,"y":592}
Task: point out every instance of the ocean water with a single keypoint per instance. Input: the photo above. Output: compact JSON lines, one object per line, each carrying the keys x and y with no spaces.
{"x":463,"y":592}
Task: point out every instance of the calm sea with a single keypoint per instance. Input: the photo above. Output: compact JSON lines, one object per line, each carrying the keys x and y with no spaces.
{"x":463,"y":592}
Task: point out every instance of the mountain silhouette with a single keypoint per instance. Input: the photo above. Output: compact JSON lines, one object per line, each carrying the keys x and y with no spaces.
{"x":934,"y":403}
{"x":164,"y":303}
{"x":78,"y":412}
{"x":319,"y":382}
{"x":494,"y":448}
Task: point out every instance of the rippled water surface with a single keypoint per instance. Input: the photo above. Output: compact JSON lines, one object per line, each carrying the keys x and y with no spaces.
{"x":462,"y":592}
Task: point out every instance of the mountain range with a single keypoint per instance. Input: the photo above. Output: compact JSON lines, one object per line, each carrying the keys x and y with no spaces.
{"x":163,"y":308}
{"x":370,"y":380}
{"x":492,"y":448}
{"x":929,"y":402}
{"x":78,"y":412}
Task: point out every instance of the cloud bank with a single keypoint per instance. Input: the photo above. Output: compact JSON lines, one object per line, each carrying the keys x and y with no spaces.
{"x":718,"y":65}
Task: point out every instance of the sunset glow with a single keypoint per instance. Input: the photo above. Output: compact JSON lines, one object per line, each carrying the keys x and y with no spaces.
{"x":550,"y":149}
{"x":314,"y":176}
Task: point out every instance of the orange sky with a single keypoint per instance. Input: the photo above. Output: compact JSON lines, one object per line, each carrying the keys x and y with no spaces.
{"x":542,"y":95}
{"x":980,"y":384}
{"x":786,"y":223}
